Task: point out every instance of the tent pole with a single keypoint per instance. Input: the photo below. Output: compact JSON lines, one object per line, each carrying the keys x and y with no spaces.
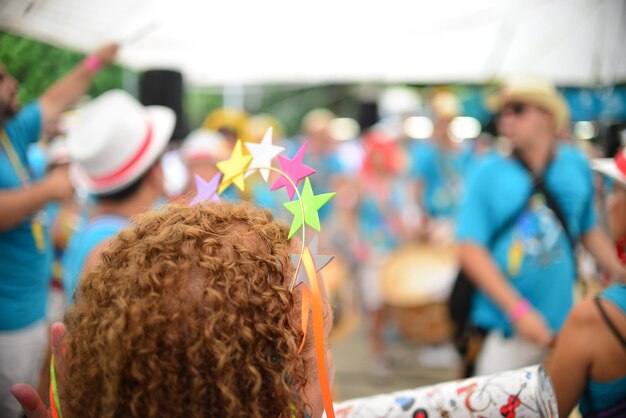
{"x":234,"y":96}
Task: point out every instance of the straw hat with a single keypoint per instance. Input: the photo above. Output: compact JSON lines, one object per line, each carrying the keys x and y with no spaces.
{"x":615,"y":168}
{"x":259,"y":124}
{"x":234,"y":120}
{"x":445,"y":105}
{"x":116,"y":140}
{"x":535,"y":91}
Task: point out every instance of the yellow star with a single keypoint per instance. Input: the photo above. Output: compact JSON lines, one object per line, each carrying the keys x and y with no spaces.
{"x":234,"y":168}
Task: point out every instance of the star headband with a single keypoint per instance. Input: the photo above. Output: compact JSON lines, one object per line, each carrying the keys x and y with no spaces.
{"x":308,"y":262}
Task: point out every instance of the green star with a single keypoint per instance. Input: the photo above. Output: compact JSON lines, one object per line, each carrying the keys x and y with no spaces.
{"x":311,"y":203}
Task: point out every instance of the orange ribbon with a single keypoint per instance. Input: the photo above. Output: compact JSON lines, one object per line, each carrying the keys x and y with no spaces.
{"x":318,"y":333}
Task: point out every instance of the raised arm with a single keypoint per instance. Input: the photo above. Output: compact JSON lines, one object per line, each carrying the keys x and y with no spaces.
{"x":63,"y":94}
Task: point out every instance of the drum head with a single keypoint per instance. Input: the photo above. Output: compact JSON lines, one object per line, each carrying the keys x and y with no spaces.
{"x":419,"y":274}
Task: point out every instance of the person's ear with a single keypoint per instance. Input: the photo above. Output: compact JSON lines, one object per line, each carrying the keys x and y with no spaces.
{"x":156,"y":177}
{"x":550,"y":122}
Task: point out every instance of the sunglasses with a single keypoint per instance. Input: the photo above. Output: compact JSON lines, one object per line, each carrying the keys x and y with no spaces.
{"x":516,"y":109}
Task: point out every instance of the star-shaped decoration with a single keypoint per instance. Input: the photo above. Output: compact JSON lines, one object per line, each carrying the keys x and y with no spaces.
{"x":311,"y":203}
{"x":234,"y":168}
{"x":295,"y":170}
{"x":320,"y":261}
{"x":206,"y":190}
{"x":262,"y":155}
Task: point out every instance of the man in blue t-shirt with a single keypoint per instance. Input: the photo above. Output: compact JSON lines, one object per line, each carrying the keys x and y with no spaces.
{"x":513,"y":245}
{"x":24,"y":258}
{"x":321,"y":154}
{"x":439,"y":166}
{"x":440,"y":171}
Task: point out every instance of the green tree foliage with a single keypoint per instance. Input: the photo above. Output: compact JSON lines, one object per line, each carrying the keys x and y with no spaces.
{"x":37,"y":66}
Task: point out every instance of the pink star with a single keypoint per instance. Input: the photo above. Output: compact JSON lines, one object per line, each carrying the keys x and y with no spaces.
{"x":294,"y":169}
{"x":207,"y":190}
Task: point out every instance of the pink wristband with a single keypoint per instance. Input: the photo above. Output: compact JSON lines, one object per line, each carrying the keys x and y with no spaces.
{"x":93,"y":63}
{"x":520,"y":310}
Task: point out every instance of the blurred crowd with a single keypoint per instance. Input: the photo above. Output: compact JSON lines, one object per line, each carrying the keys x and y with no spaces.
{"x":502,"y":214}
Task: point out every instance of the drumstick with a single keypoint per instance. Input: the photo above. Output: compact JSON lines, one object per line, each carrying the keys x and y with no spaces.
{"x":140,"y":33}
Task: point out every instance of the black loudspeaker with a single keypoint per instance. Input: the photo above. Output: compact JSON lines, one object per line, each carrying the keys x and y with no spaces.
{"x":368,"y":115}
{"x":165,"y":88}
{"x":614,"y":141}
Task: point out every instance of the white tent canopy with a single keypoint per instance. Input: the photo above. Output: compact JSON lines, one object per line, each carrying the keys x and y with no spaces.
{"x":573,"y":42}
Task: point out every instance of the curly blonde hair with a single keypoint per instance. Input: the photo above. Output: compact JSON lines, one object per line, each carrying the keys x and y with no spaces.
{"x":187,"y":314}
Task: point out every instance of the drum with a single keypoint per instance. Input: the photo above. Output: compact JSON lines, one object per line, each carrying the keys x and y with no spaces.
{"x":415,"y":283}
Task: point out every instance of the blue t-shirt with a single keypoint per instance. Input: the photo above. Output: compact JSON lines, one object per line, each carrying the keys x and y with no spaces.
{"x":377,"y":219}
{"x":24,"y":269}
{"x":535,"y":254}
{"x":327,"y":168}
{"x":82,"y":243}
{"x":606,"y":395}
{"x":442,"y":175}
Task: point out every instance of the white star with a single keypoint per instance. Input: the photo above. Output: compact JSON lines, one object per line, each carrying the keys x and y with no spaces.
{"x":262,"y":155}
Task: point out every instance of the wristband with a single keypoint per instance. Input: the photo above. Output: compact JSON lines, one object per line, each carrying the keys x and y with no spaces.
{"x":93,"y":63}
{"x":521,"y":309}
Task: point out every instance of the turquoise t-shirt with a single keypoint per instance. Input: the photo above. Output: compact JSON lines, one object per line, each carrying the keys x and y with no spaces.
{"x":24,"y":269}
{"x":606,"y":395}
{"x":442,"y":175}
{"x":82,"y":243}
{"x":534,"y":254}
{"x":327,"y":168}
{"x":377,"y":219}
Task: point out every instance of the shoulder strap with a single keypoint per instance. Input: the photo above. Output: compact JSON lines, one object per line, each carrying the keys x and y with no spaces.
{"x":511,"y":220}
{"x":17,"y":164}
{"x":610,"y":323}
{"x":552,"y":204}
{"x":540,"y":186}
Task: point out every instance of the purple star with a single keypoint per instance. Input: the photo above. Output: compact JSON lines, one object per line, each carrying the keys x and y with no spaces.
{"x":207,"y":190}
{"x":294,"y":169}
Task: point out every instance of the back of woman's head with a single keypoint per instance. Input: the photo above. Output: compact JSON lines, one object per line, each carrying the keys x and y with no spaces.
{"x":187,"y":314}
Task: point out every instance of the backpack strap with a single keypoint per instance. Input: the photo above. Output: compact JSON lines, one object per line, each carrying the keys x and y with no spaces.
{"x":540,"y":186}
{"x":510,"y":222}
{"x":552,"y":204}
{"x":610,"y":323}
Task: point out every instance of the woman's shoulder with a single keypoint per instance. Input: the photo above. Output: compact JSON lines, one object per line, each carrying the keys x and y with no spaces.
{"x":586,"y":314}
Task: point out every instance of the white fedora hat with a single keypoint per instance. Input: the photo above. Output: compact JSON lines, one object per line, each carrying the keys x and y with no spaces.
{"x":116,"y":140}
{"x":614,"y":168}
{"x":205,"y":144}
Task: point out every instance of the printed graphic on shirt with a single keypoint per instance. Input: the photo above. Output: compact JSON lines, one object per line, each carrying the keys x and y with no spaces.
{"x":535,"y":237}
{"x":448,"y":193}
